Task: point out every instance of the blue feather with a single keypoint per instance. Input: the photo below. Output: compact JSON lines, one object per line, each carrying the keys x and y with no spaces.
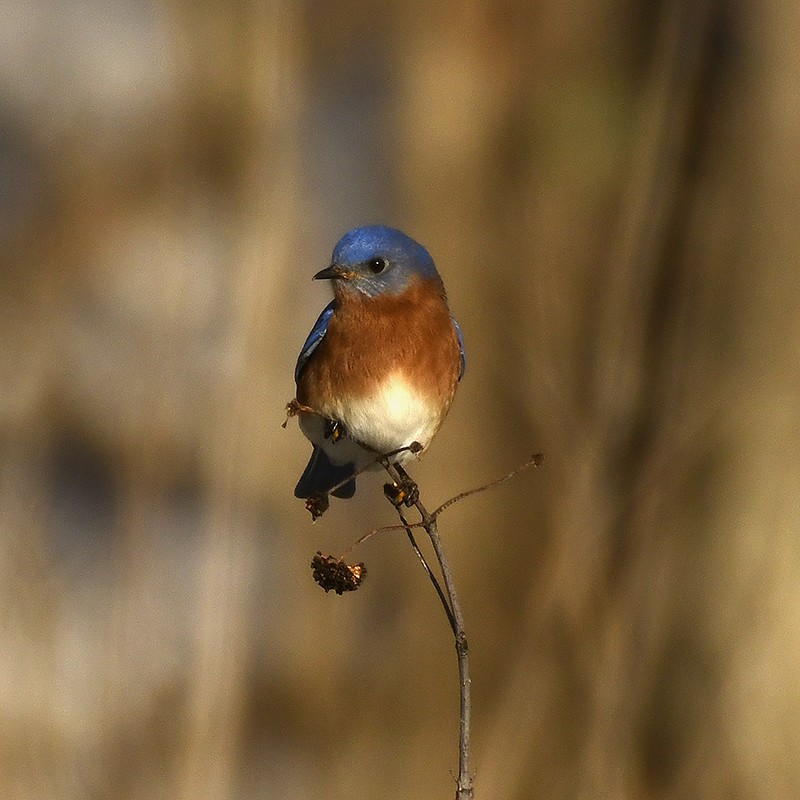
{"x":460,"y":347}
{"x":314,"y":338}
{"x":320,"y":475}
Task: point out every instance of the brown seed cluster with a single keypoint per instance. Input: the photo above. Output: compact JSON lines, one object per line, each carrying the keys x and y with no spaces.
{"x":334,"y":574}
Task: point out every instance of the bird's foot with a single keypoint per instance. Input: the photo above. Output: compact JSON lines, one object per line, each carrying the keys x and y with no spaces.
{"x":403,"y":492}
{"x":334,"y":430}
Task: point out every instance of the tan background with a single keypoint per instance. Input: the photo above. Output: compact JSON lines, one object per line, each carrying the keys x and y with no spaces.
{"x":611,"y":192}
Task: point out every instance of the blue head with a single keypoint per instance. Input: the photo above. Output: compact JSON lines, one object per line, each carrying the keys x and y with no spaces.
{"x":377,"y":260}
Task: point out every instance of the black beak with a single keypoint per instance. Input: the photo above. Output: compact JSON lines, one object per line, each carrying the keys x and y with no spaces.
{"x":330,"y":273}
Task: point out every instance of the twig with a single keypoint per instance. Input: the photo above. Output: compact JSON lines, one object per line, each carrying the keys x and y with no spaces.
{"x":429,"y":571}
{"x":534,"y":461}
{"x":379,"y":457}
{"x":448,"y":597}
{"x":452,"y":606}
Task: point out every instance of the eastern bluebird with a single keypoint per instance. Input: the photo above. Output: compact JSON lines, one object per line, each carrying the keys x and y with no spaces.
{"x":381,"y":365}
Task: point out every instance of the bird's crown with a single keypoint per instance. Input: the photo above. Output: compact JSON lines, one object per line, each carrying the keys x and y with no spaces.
{"x":378,"y":260}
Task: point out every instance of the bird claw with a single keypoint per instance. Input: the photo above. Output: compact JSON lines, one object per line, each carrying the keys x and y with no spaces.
{"x":334,"y":430}
{"x":405,"y":493}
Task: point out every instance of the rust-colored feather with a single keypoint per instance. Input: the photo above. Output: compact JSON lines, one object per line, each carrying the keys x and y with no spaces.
{"x":370,"y":339}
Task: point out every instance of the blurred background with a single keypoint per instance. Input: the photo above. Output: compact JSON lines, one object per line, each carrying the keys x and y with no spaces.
{"x":610,"y":190}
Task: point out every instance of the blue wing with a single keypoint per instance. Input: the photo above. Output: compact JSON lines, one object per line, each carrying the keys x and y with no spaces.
{"x":320,"y":475}
{"x":460,"y":347}
{"x":314,"y":338}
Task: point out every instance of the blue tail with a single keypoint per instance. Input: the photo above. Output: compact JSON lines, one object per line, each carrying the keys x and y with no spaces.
{"x":320,"y":476}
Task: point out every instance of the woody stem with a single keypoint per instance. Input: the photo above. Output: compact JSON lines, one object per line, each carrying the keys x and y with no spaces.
{"x":429,"y":572}
{"x":452,"y":607}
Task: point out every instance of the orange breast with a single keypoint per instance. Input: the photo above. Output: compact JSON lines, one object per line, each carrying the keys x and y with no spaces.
{"x":372,"y":338}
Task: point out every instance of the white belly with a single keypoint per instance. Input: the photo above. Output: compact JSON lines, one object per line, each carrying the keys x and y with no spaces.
{"x":393,"y":417}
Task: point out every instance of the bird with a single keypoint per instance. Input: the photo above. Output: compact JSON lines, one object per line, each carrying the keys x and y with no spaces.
{"x":379,"y":370}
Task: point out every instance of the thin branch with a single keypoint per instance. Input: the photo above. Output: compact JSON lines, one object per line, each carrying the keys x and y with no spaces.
{"x":534,"y":461}
{"x":429,"y":571}
{"x":464,"y":788}
{"x":449,"y":596}
{"x":379,"y":457}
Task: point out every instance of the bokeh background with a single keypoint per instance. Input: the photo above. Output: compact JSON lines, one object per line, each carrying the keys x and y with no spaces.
{"x":610,"y":189}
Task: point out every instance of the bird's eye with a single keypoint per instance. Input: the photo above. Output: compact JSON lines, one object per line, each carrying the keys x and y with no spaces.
{"x":377,"y":265}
